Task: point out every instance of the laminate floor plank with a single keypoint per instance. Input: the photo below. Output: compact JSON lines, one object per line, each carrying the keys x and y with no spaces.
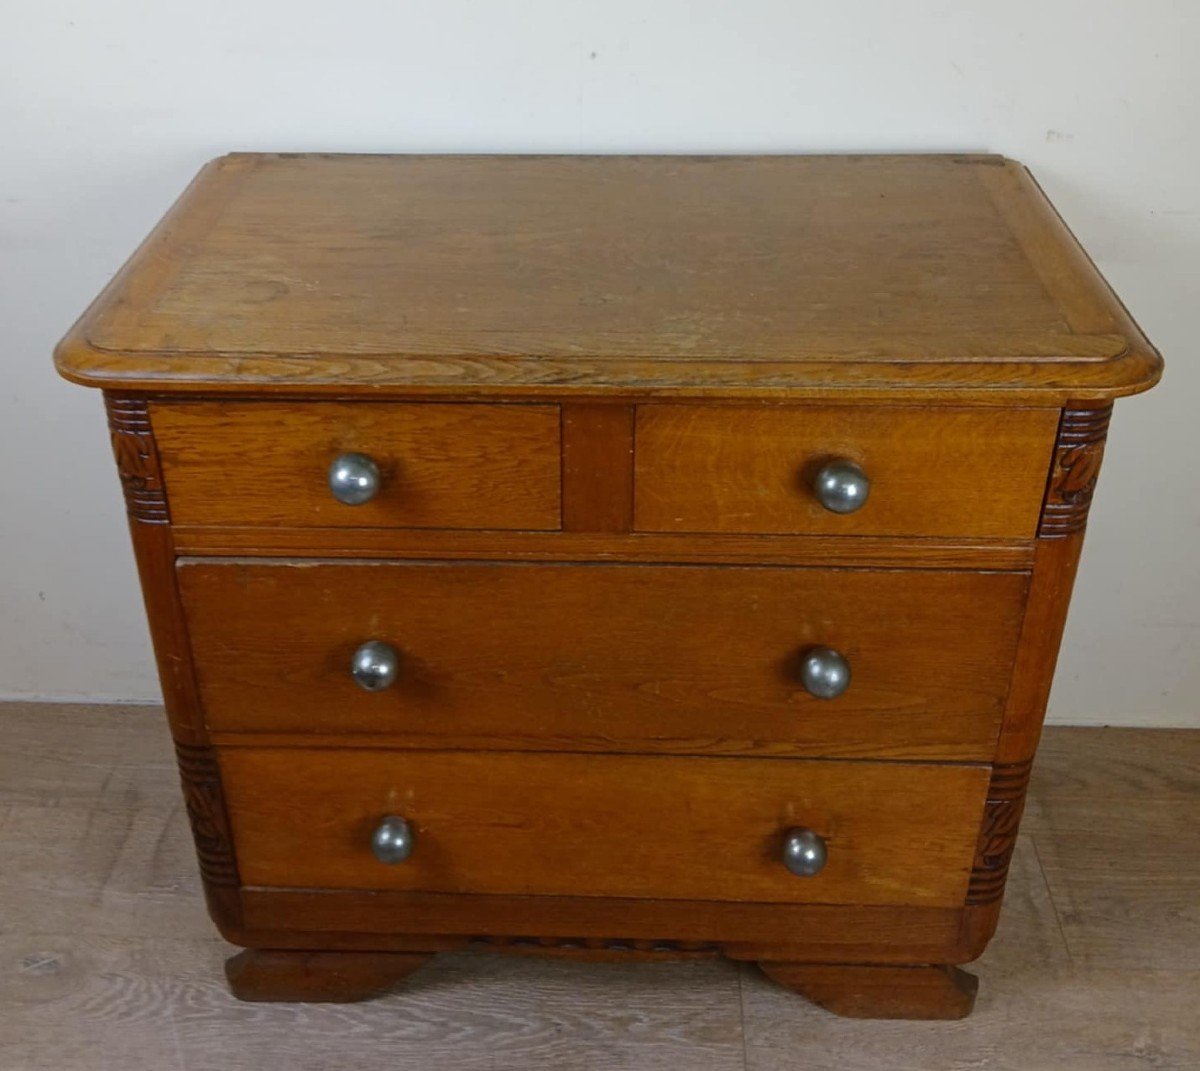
{"x":81,"y":1003}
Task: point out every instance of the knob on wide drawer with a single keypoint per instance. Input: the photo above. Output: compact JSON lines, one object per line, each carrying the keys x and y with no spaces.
{"x":353,"y":479}
{"x":824,"y":672}
{"x":841,"y":486}
{"x":393,"y":840}
{"x":375,"y":665}
{"x":804,"y":852}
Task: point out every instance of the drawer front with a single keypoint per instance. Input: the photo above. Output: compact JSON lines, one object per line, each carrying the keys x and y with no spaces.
{"x":931,"y":471}
{"x":608,"y":657}
{"x":605,"y":825}
{"x":439,"y":465}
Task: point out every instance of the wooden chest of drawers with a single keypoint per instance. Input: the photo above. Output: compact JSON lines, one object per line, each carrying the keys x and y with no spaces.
{"x":608,"y":557}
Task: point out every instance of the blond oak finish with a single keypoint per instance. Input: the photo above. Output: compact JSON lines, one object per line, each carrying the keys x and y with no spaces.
{"x":941,"y":472}
{"x":441,"y":466}
{"x":931,"y":277}
{"x":685,"y":828}
{"x":681,"y":659}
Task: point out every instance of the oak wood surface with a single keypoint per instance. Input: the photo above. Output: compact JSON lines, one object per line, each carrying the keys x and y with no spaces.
{"x":324,"y":977}
{"x":876,"y":992}
{"x":662,"y":547}
{"x":597,"y":468}
{"x":613,"y":658}
{"x":441,"y":466}
{"x":686,"y":828}
{"x":940,"y":472}
{"x":820,"y":933}
{"x":747,"y":276}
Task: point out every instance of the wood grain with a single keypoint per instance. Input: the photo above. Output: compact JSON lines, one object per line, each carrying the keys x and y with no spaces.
{"x":872,"y":992}
{"x":686,"y":828}
{"x":393,"y":919}
{"x":764,"y":276}
{"x":597,"y":468}
{"x":656,"y":658}
{"x":821,"y":551}
{"x":442,"y":466}
{"x":321,"y":977}
{"x":942,"y":472}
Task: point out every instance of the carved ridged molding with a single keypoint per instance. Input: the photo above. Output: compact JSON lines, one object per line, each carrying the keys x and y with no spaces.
{"x":201,"y":777}
{"x":1078,"y":452}
{"x":998,"y":834}
{"x":603,"y":944}
{"x":137,"y":459}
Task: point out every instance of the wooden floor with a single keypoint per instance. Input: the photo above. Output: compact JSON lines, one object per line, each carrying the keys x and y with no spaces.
{"x":107,"y":959}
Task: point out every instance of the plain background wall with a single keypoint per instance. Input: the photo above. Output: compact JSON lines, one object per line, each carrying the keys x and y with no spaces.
{"x":107,"y":109}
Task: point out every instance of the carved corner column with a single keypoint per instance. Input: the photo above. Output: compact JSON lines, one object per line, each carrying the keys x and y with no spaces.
{"x":154,"y":550}
{"x":1074,"y":470}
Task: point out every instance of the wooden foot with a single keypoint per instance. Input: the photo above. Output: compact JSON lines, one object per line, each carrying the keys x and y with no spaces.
{"x":324,"y":977}
{"x":867,"y":992}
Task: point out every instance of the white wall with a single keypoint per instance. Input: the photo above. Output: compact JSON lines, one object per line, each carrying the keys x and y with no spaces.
{"x":106,"y":110}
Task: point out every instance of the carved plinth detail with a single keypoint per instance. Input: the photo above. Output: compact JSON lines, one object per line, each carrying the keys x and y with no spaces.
{"x":137,"y":459}
{"x":998,"y":834}
{"x":640,"y":946}
{"x":1078,"y":452}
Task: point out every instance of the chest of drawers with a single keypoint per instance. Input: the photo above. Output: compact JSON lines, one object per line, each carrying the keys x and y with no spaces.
{"x":608,"y":557}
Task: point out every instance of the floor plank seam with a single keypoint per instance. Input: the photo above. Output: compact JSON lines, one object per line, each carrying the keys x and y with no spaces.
{"x":1062,"y":932}
{"x":742,"y":968}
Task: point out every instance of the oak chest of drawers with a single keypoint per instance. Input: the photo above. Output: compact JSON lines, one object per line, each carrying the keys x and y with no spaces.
{"x":609,"y":557}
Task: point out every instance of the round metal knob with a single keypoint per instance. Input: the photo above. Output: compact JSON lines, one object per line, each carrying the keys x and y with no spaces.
{"x":804,"y":852}
{"x":393,"y":840}
{"x":841,"y":486}
{"x":375,"y":665}
{"x":353,"y":479}
{"x":824,"y":672}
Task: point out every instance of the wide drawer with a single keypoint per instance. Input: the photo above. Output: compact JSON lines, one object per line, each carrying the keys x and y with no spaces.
{"x":605,"y":825}
{"x":931,"y":471}
{"x":438,"y":465}
{"x":607,"y":657}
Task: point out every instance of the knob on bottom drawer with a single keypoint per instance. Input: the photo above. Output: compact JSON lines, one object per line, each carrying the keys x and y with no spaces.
{"x":393,"y":840}
{"x":804,"y":852}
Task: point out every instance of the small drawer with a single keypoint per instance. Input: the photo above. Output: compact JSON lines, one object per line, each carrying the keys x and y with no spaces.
{"x":605,"y":825}
{"x":398,"y":465}
{"x":694,"y":659}
{"x":842,"y":470}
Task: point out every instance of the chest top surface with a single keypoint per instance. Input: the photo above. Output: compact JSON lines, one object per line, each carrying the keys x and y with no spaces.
{"x":773,"y":277}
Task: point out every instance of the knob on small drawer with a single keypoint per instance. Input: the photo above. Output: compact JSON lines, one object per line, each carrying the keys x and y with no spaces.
{"x":353,"y":479}
{"x":824,"y":672}
{"x":804,"y":852}
{"x":375,"y":665}
{"x":393,"y":840}
{"x":841,"y":486}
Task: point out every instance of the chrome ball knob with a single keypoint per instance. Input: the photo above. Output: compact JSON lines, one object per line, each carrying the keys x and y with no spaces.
{"x":375,"y":665}
{"x":393,"y":840}
{"x":841,"y":486}
{"x":824,"y":672}
{"x":353,"y":479}
{"x":804,"y":852}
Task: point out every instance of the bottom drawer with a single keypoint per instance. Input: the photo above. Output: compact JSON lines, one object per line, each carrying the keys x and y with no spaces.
{"x":605,"y":825}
